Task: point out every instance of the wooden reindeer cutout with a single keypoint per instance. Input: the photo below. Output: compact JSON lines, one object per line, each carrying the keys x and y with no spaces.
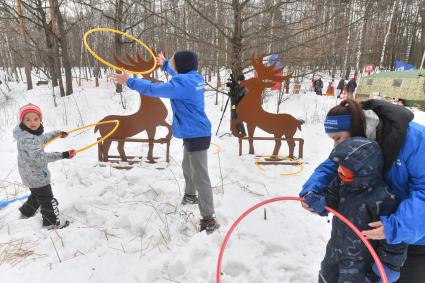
{"x":151,"y":114}
{"x":250,"y":111}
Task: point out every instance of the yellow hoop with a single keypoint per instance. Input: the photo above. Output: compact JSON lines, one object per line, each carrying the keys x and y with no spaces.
{"x":259,"y":167}
{"x":88,"y":126}
{"x":111,"y":65}
{"x":217,"y":147}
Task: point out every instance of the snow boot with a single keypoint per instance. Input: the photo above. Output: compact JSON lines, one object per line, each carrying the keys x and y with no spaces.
{"x":58,"y":225}
{"x":190,"y":199}
{"x":209,"y":225}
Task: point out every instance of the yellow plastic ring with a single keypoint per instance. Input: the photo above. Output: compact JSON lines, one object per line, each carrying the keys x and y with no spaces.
{"x":111,"y":65}
{"x":218,"y":148}
{"x":259,"y":167}
{"x":117,"y":122}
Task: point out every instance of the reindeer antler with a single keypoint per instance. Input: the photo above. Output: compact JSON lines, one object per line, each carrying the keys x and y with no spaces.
{"x":268,"y":72}
{"x":137,"y":65}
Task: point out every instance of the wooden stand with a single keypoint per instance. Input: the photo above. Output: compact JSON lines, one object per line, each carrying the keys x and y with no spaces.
{"x":148,"y":141}
{"x":299,"y":140}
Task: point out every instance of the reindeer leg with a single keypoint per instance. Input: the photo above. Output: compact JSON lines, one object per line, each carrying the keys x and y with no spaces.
{"x":291,"y":145}
{"x":121,"y":151}
{"x":105,"y":149}
{"x":165,"y":124}
{"x":151,"y":136}
{"x":251,"y":130}
{"x":277,"y":145}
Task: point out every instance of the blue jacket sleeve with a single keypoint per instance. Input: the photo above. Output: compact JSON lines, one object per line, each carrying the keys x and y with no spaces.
{"x":407,"y":224}
{"x":173,"y":89}
{"x":321,"y":178}
{"x":166,"y":67}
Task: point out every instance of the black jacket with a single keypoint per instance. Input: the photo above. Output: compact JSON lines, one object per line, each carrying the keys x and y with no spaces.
{"x":319,"y":84}
{"x":341,"y":84}
{"x":351,"y":86}
{"x":392,"y":129}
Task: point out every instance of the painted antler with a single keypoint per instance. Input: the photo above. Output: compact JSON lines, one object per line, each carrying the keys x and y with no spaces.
{"x":137,"y":65}
{"x":268,"y":72}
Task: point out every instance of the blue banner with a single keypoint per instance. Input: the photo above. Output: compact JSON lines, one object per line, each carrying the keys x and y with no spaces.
{"x":274,"y":58}
{"x":401,"y":66}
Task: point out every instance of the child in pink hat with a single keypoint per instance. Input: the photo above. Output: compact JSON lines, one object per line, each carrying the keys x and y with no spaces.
{"x":32,"y":165}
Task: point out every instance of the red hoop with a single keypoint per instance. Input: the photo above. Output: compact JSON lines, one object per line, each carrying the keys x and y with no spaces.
{"x":337,"y":214}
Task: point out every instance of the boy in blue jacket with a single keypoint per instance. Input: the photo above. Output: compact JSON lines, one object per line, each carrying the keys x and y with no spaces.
{"x":190,"y":123}
{"x":361,"y":195}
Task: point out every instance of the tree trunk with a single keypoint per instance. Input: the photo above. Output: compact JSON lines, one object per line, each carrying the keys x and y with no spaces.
{"x":117,"y":42}
{"x":384,"y":45}
{"x":12,"y":62}
{"x":347,"y":44}
{"x":27,"y":51}
{"x":360,"y":40}
{"x":50,"y":53}
{"x":272,"y":23}
{"x":411,"y":36}
{"x":64,"y":48}
{"x":56,"y":60}
{"x":236,"y":40}
{"x":217,"y":54}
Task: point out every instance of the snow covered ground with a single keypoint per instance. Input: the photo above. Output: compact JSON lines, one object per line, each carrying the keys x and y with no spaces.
{"x":129,"y":226}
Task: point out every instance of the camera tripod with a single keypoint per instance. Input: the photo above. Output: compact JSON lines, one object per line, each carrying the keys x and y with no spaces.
{"x":222,"y":115}
{"x":240,"y":127}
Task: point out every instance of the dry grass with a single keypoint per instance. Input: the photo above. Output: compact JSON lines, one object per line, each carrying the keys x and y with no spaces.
{"x":16,"y":251}
{"x":11,"y":190}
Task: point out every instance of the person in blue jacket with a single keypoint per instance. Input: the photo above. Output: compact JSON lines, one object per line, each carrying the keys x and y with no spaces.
{"x":403,"y":145}
{"x":190,"y":123}
{"x":360,"y":193}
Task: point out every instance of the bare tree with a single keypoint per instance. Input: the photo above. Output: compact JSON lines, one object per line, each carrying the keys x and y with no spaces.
{"x":309,"y":35}
{"x":27,"y":54}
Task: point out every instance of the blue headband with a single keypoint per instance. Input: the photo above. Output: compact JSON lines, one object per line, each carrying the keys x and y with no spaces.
{"x":338,"y":123}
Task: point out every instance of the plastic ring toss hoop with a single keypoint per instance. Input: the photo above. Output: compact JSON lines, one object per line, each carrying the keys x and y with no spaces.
{"x":301,"y":167}
{"x":117,"y":123}
{"x":336,"y":213}
{"x":111,"y":65}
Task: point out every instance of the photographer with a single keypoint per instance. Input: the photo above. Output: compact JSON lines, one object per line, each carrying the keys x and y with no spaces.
{"x":236,"y":94}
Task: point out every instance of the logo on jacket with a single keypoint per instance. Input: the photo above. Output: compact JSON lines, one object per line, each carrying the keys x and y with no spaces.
{"x":398,"y":162}
{"x":200,"y":86}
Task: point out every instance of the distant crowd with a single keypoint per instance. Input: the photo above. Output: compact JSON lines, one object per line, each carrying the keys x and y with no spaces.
{"x":345,"y":87}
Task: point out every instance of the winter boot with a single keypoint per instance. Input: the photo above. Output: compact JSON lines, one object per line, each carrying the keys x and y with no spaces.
{"x":58,"y":225}
{"x":29,"y":208}
{"x":23,"y":216}
{"x":209,"y":225}
{"x":189,"y":199}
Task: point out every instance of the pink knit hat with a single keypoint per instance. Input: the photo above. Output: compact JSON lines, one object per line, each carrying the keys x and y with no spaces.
{"x":28,"y":109}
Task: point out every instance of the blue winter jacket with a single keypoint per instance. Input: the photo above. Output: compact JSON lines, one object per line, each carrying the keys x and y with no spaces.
{"x":186,"y":93}
{"x":406,"y":177}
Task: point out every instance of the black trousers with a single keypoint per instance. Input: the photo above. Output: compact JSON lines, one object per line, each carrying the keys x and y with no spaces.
{"x":43,"y":198}
{"x":413,"y":270}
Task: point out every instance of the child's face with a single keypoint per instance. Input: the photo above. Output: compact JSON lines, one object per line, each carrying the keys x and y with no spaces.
{"x":32,"y":120}
{"x":345,"y":174}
